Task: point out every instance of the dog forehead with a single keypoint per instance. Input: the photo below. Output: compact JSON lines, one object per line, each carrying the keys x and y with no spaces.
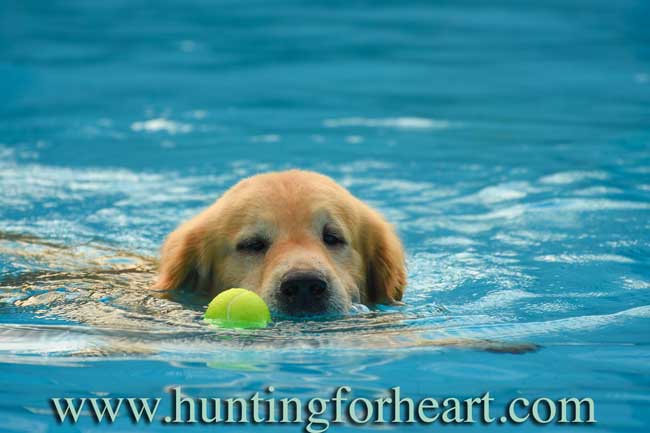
{"x":292,"y":198}
{"x":293,"y":189}
{"x":288,"y":183}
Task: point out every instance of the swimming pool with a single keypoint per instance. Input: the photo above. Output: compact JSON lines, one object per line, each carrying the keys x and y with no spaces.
{"x":509,"y":144}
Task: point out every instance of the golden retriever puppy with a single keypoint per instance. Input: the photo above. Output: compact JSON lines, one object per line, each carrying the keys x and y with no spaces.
{"x":297,"y":238}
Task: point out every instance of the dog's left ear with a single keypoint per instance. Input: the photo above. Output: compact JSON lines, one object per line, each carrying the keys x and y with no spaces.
{"x":385,"y":264}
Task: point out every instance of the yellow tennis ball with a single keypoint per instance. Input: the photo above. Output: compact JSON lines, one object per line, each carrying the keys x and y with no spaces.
{"x":238,"y":308}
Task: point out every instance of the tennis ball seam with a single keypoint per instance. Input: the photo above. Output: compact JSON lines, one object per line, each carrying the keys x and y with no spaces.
{"x":232,"y":301}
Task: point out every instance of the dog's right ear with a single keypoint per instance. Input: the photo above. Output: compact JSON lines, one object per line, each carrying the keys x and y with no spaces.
{"x":186,"y":259}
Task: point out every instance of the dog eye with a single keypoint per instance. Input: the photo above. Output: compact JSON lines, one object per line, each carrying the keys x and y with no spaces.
{"x":332,"y":238}
{"x":254,"y":245}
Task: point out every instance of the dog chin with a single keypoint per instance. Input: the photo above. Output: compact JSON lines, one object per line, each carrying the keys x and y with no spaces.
{"x":336,"y":306}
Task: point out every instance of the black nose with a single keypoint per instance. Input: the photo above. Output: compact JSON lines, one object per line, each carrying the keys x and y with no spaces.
{"x":303,"y":292}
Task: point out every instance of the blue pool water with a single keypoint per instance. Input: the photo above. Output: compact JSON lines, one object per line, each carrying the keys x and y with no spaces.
{"x":509,"y":144}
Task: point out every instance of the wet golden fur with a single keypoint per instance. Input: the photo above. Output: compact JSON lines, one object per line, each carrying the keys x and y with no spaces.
{"x":290,"y":209}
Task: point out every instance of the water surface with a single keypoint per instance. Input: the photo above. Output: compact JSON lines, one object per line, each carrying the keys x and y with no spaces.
{"x":508,"y":143}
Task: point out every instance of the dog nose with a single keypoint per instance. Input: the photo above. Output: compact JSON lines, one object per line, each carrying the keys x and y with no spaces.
{"x":304,"y":292}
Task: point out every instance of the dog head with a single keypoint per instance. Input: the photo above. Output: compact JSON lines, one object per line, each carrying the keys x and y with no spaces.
{"x":297,"y":238}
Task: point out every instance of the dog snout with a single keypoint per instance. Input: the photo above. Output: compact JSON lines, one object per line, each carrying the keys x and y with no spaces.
{"x":304,"y":292}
